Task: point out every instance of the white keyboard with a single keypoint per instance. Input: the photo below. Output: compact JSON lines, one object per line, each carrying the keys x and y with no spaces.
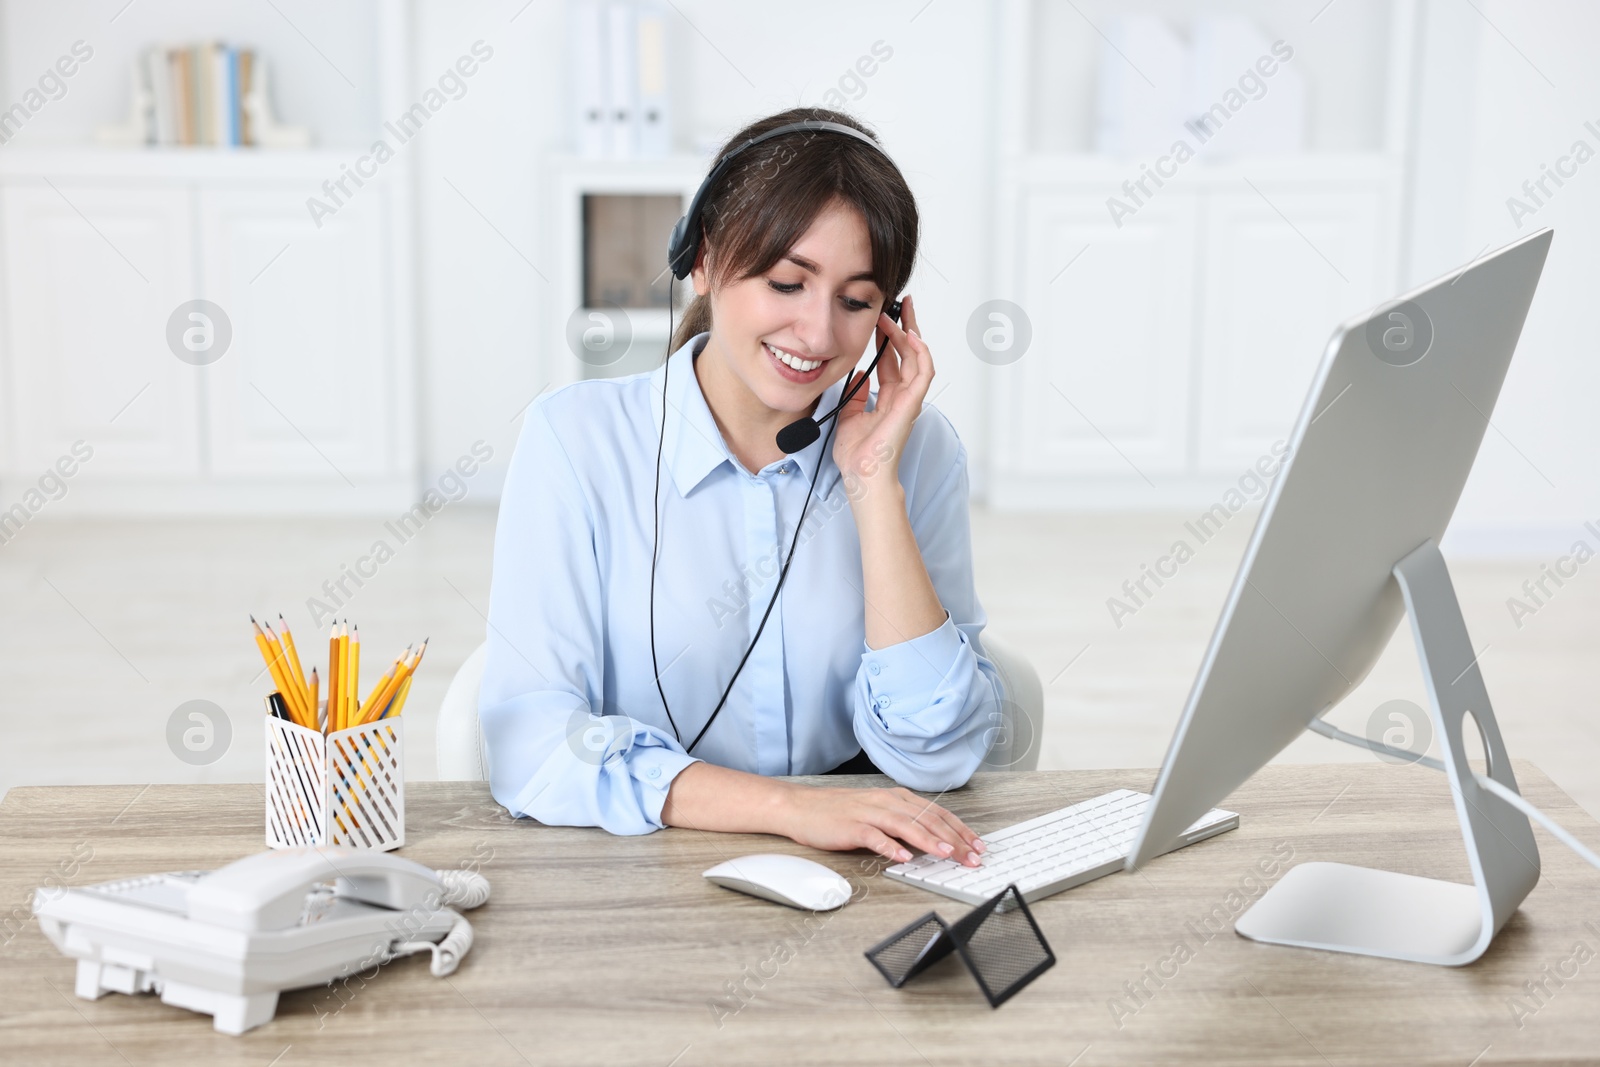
{"x":1056,"y":851}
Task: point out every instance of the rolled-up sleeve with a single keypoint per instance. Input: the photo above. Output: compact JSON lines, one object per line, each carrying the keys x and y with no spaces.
{"x":926,"y":708}
{"x":552,"y":754}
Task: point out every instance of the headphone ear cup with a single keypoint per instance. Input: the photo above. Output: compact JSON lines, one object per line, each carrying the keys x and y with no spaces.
{"x":681,"y":249}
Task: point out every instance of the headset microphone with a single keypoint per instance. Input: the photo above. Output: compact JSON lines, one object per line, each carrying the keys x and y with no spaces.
{"x":800,"y":433}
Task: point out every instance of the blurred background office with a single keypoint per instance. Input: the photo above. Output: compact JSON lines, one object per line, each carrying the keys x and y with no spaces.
{"x":280,"y":279}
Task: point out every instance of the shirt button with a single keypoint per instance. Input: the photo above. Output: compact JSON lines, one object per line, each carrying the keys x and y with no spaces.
{"x":654,"y":772}
{"x":873,"y":668}
{"x":884,"y":702}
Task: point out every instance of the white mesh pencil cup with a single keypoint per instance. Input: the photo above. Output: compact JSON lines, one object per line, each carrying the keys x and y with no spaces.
{"x":345,"y":788}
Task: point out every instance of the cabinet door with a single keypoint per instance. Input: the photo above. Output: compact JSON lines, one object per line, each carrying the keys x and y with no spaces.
{"x":1103,"y":389}
{"x":1275,"y":286}
{"x":308,"y":389}
{"x":92,"y":276}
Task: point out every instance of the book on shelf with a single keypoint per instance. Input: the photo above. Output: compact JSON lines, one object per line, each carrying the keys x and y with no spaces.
{"x":198,"y":93}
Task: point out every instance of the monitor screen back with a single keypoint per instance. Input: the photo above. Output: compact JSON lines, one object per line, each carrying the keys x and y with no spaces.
{"x":1375,"y":466}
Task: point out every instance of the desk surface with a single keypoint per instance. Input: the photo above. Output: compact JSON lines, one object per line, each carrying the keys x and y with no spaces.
{"x":613,"y":950}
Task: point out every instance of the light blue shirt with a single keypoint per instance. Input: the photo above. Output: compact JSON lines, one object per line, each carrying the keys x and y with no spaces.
{"x":574,"y":727}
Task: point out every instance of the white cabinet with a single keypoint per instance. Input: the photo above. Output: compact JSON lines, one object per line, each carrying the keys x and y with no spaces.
{"x":1110,"y":310}
{"x":308,"y":389}
{"x":91,"y":275}
{"x":1274,"y":286}
{"x":1187,"y":336}
{"x":1171,"y":351}
{"x":309,"y":408}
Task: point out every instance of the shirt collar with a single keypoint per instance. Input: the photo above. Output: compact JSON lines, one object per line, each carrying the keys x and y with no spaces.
{"x":694,"y":446}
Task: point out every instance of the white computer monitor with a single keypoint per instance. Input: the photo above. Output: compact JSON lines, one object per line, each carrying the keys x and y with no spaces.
{"x":1376,"y":463}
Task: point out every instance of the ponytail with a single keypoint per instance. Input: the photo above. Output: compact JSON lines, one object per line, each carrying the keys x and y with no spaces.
{"x":696,"y":319}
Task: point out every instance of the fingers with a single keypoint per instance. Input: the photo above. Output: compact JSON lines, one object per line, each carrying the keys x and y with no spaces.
{"x":912,"y":354}
{"x":965,"y":834}
{"x":908,"y":312}
{"x":923,"y":833}
{"x":861,"y":394}
{"x":884,"y":818}
{"x":936,"y":831}
{"x":883,"y":845}
{"x":889,"y":365}
{"x":951,"y":829}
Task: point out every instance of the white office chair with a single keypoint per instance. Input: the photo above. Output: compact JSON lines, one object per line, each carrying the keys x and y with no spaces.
{"x":1015,"y":737}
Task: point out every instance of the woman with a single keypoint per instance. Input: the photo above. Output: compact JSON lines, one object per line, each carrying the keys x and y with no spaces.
{"x":869,"y":656}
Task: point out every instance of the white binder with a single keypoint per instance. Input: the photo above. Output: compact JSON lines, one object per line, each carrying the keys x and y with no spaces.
{"x":623,"y":77}
{"x":588,"y":58}
{"x":654,"y":116}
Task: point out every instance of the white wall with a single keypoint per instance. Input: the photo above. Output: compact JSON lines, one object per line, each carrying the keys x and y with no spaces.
{"x":1503,"y":92}
{"x":1501,"y":88}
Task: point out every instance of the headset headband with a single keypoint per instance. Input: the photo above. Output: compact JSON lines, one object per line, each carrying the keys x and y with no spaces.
{"x":684,"y":245}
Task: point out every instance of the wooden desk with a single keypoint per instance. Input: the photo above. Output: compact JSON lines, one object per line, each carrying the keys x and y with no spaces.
{"x":600,"y":950}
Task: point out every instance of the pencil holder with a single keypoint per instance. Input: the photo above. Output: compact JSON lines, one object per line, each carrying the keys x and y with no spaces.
{"x":343,"y":788}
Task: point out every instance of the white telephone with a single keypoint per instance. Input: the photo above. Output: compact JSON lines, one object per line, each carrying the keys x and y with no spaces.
{"x":226,"y":942}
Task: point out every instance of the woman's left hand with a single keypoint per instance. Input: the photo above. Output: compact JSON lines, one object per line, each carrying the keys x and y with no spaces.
{"x":869,"y":444}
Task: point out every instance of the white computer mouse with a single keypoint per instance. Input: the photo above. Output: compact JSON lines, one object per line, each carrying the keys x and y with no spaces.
{"x":791,"y":880}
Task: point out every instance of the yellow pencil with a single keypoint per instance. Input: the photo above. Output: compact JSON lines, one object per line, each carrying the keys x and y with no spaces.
{"x":402,"y":670}
{"x":399,"y":702}
{"x":294,"y":657}
{"x":378,"y":690}
{"x":393,"y":707}
{"x":331,"y":721}
{"x":270,"y":653}
{"x":344,"y":673}
{"x":353,"y":690}
{"x":385,"y":688}
{"x":295,"y":697}
{"x":311,"y":689}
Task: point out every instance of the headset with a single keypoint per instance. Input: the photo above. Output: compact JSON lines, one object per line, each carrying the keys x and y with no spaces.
{"x":683,"y":247}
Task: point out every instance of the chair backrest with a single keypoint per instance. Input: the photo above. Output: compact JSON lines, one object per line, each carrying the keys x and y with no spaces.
{"x":1019,"y":720}
{"x":1016,"y":729}
{"x":458,"y":736}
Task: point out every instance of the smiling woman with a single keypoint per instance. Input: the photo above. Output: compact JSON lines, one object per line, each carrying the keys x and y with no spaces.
{"x":867,"y":658}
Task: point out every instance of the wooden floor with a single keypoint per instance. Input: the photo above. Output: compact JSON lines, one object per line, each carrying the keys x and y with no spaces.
{"x":111,"y":625}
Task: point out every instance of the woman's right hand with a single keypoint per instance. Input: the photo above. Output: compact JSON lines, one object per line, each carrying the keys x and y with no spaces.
{"x":879,"y":819}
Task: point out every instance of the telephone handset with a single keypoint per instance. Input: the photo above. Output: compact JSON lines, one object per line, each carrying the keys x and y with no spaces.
{"x":226,"y":942}
{"x":267,"y":891}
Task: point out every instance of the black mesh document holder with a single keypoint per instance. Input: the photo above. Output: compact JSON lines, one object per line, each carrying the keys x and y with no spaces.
{"x":998,"y":940}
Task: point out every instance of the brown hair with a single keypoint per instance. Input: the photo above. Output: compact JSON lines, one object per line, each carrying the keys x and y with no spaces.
{"x":773,"y":192}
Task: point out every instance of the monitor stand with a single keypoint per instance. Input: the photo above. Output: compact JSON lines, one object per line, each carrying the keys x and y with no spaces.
{"x":1342,"y":908}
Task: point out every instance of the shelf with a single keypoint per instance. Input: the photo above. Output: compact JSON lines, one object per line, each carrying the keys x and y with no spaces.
{"x":198,"y":163}
{"x":1308,"y":166}
{"x":648,"y":322}
{"x":675,"y":163}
